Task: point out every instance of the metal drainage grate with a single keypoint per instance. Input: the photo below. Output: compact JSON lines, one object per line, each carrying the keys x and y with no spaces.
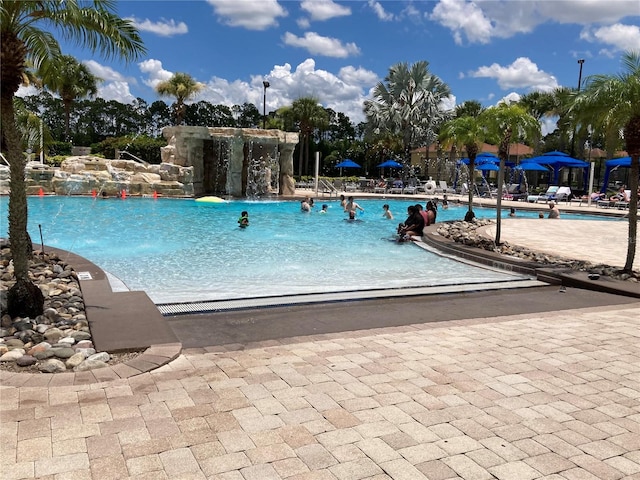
{"x":212,"y":306}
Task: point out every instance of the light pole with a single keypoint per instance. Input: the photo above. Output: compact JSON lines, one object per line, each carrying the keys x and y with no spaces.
{"x":573,"y":138}
{"x":581,"y":61}
{"x":266,"y":85}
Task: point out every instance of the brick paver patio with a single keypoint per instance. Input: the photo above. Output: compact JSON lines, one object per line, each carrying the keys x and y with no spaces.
{"x":552,"y":395}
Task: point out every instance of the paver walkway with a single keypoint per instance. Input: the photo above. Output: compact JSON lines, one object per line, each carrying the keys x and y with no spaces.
{"x":552,"y":395}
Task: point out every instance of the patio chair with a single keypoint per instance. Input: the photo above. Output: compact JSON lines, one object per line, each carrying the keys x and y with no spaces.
{"x":545,"y":197}
{"x":397,"y":187}
{"x":445,"y":188}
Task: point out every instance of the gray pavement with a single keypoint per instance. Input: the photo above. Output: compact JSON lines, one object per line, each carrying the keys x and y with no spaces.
{"x":508,"y":387}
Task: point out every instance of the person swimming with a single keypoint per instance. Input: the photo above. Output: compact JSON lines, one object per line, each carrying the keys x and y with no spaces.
{"x":243,"y":221}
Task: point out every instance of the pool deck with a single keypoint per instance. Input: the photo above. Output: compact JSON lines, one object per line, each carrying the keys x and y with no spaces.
{"x":524,"y":384}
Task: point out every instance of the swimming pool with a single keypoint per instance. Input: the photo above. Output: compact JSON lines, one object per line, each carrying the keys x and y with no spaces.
{"x":178,"y":250}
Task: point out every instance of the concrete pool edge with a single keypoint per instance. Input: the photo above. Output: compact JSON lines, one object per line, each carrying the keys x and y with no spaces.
{"x":110,"y":315}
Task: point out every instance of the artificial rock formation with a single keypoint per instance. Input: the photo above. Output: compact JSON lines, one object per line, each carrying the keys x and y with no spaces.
{"x":85,"y":174}
{"x":234,"y":161}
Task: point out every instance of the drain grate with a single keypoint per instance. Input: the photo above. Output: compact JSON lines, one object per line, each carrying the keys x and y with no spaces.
{"x":212,"y":306}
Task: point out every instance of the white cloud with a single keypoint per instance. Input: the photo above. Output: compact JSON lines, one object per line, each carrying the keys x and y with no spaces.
{"x":118,"y":91}
{"x":587,"y":11}
{"x":379,"y":10}
{"x":27,"y":91}
{"x":115,"y":86}
{"x":319,"y":45}
{"x":548,"y":125}
{"x":344,"y":92}
{"x":448,"y":103}
{"x":303,"y":23}
{"x":621,"y":37}
{"x":357,"y":76}
{"x":510,"y":98}
{"x":252,"y":15}
{"x":324,"y":9}
{"x":163,"y":27}
{"x":522,"y":73}
{"x":460,"y":16}
{"x":155,"y":72}
{"x":107,"y":74}
{"x":481,"y":20}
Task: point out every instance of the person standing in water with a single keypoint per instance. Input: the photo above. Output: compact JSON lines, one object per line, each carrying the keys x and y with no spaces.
{"x":243,"y":221}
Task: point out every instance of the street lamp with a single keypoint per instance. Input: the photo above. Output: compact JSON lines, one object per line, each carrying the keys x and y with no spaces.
{"x":581,"y":61}
{"x":266,"y":85}
{"x":573,"y":138}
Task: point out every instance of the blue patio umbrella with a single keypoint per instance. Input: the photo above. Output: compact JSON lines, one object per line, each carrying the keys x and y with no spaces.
{"x":611,"y":165}
{"x":532,"y":166}
{"x":557,"y":160}
{"x":347,"y":163}
{"x":390,"y":164}
{"x":481,"y":158}
{"x":488,"y":167}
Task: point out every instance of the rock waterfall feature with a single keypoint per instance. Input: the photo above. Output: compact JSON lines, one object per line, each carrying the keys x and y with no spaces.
{"x":240,"y":162}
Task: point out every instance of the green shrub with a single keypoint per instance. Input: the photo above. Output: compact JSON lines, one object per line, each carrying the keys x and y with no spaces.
{"x":143,"y":147}
{"x":57,"y":148}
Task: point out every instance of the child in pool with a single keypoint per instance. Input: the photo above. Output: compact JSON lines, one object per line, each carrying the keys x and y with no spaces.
{"x":243,"y":221}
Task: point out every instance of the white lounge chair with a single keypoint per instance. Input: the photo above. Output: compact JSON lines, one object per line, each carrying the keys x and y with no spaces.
{"x":546,"y":196}
{"x":445,"y":188}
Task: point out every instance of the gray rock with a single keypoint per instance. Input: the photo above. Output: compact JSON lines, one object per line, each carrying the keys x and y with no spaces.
{"x":14,"y":343}
{"x":74,"y":360}
{"x":43,"y":354}
{"x":63,"y":352}
{"x":5,"y":321}
{"x":67,"y":340}
{"x":84,"y":344}
{"x":53,"y":335}
{"x":26,"y":361}
{"x":52,"y":365}
{"x":101,"y":356}
{"x":12,"y":355}
{"x":80,"y":335}
{"x":87,"y":352}
{"x":90,"y":365}
{"x":41,"y":327}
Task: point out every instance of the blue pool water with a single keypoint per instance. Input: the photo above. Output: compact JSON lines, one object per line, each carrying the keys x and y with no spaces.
{"x":180,"y":250}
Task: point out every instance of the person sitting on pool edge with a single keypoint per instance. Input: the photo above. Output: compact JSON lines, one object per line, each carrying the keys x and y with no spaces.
{"x":412,"y":226}
{"x":243,"y":221}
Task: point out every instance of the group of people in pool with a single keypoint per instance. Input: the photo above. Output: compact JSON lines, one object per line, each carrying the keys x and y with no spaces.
{"x":417,"y":219}
{"x":417,"y":216}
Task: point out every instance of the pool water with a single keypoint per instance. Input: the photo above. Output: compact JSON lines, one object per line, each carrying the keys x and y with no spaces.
{"x":179,"y":250}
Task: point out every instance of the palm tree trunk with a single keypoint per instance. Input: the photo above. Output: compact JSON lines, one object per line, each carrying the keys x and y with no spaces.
{"x":632,"y":140}
{"x":503,"y":151}
{"x":24,"y":299}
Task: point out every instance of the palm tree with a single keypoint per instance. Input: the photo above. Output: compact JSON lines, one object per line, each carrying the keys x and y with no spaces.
{"x":183,"y":87}
{"x":26,"y":39}
{"x":614,"y":100}
{"x":505,"y":122}
{"x":309,"y":115}
{"x":466,"y":130}
{"x":71,"y":80}
{"x":408,"y":103}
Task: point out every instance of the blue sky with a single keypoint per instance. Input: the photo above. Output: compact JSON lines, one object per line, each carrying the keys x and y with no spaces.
{"x":337,"y":51}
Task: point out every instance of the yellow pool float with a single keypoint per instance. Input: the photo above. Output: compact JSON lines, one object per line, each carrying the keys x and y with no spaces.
{"x":210,"y":200}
